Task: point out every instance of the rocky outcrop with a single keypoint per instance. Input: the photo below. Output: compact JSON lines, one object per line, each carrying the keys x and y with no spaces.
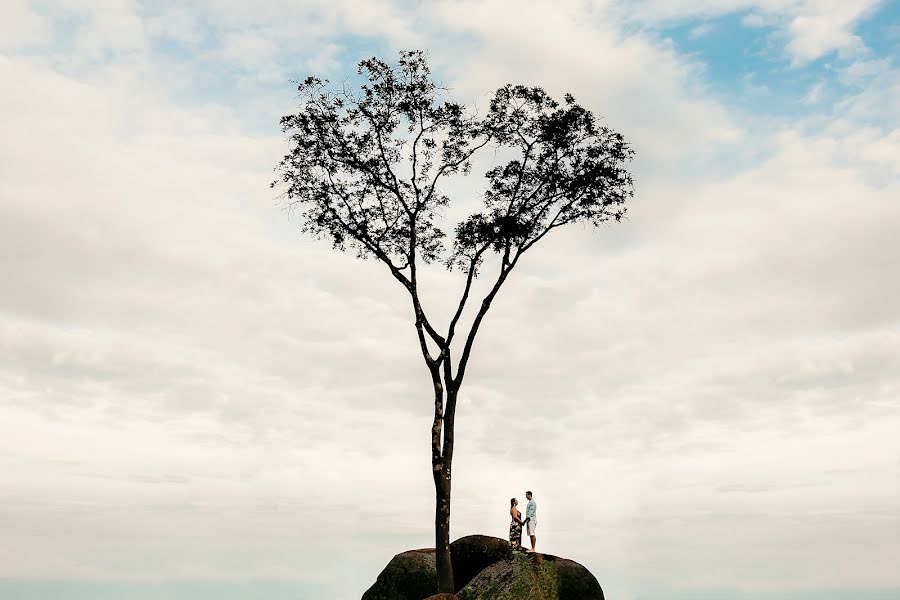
{"x":485,"y":568}
{"x":473,"y":554}
{"x":575,"y":582}
{"x":533,"y":577}
{"x":410,"y":575}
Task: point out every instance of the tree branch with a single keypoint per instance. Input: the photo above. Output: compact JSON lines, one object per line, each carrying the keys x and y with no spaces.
{"x":454,"y":165}
{"x":470,"y":339}
{"x":383,"y":153}
{"x":362,"y":236}
{"x":470,"y":276}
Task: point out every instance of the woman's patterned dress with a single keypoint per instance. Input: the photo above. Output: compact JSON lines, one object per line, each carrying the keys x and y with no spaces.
{"x":515,"y":534}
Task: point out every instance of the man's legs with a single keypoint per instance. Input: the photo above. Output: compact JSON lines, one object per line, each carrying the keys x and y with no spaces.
{"x":532,"y":530}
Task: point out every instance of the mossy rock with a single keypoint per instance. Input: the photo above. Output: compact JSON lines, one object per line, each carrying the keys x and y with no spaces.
{"x":474,"y":553}
{"x":410,"y":575}
{"x":485,"y":568}
{"x":533,"y":577}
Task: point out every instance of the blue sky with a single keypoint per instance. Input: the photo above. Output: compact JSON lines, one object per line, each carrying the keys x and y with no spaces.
{"x":194,"y":396}
{"x":746,"y":64}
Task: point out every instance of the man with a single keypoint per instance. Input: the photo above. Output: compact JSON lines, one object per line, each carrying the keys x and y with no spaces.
{"x":531,"y":518}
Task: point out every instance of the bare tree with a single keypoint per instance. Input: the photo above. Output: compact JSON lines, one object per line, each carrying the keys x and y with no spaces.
{"x":365,"y":168}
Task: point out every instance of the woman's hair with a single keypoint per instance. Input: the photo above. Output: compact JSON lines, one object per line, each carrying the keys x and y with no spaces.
{"x":512,"y":501}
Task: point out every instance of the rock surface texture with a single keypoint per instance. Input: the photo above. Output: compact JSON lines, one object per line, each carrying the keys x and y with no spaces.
{"x":533,"y":577}
{"x":485,"y":568}
{"x":410,"y":575}
{"x":473,"y":554}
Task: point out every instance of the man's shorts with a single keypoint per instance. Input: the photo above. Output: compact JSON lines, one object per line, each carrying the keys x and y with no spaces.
{"x":532,"y":525}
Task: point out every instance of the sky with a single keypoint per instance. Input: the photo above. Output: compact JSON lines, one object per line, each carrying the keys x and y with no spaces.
{"x":197,"y":401}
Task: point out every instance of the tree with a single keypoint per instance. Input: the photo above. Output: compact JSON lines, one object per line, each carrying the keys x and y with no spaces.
{"x":364,"y":169}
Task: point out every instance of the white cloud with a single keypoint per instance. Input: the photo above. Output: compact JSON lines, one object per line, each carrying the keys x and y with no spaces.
{"x":592,"y":59}
{"x":825,"y":27}
{"x":814,"y":95}
{"x":813,"y":28}
{"x":178,"y":25}
{"x":106,"y":26}
{"x":20,"y":25}
{"x":860,"y":72}
{"x":190,"y":389}
{"x":876,"y":96}
{"x":755,"y":20}
{"x":700,"y":30}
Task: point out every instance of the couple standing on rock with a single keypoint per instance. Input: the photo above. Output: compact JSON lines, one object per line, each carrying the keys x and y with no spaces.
{"x":515,"y":526}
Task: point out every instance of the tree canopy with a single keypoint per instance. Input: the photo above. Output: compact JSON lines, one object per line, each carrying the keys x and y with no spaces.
{"x":365,"y":166}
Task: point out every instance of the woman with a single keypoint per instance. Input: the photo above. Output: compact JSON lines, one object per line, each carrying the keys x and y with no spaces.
{"x":515,"y":526}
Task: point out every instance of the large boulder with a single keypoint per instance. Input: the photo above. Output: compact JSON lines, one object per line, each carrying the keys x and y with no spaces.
{"x":575,"y":582}
{"x":410,"y":575}
{"x":473,"y":554}
{"x":533,"y":577}
{"x":485,"y":568}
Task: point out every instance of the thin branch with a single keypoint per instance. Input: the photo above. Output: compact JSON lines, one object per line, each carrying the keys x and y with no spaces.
{"x":470,"y":276}
{"x":470,"y":339}
{"x":383,"y":153}
{"x":454,"y":165}
{"x":363,"y":237}
{"x":415,"y":156}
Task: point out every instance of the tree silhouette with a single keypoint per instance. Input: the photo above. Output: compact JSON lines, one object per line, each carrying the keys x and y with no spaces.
{"x":364,"y":169}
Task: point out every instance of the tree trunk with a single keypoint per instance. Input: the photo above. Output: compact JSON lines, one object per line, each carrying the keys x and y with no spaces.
{"x":442,"y":529}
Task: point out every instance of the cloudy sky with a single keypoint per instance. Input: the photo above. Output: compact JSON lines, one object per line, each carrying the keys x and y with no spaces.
{"x":197,"y":401}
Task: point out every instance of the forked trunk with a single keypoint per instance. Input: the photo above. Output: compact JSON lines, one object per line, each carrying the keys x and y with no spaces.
{"x":445,"y":394}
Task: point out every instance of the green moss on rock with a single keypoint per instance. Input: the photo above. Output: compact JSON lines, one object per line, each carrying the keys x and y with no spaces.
{"x":522,"y":577}
{"x":491,"y":572}
{"x":533,"y":577}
